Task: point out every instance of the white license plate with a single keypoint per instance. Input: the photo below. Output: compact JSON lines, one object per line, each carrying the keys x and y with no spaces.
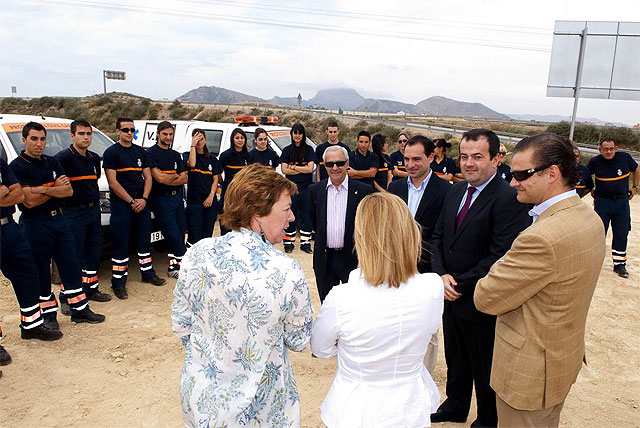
{"x":156,"y":236}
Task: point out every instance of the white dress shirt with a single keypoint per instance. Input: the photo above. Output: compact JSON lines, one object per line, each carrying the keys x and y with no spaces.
{"x":537,"y":210}
{"x":475,"y":194}
{"x":336,"y":212}
{"x":414,"y":194}
{"x":380,"y":335}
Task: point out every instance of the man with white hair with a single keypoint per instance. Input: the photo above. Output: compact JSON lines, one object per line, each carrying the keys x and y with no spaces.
{"x":332,"y":211}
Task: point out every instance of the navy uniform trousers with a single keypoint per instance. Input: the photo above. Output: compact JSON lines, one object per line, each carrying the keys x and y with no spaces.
{"x":168,"y":210}
{"x":16,"y":262}
{"x":122,"y":219}
{"x":50,"y":237}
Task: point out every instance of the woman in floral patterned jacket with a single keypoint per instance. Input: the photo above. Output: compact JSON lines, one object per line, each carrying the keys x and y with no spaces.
{"x":240,"y":303}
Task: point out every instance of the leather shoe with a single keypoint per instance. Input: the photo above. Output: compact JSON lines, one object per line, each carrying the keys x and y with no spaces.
{"x":99,"y":297}
{"x":441,"y":416}
{"x":87,"y":316}
{"x":41,"y":333}
{"x":306,"y":249}
{"x":288,"y":249}
{"x":51,"y":324}
{"x":121,"y":293}
{"x":621,"y":270}
{"x":65,"y":309}
{"x":155,"y":280}
{"x":5,"y":358}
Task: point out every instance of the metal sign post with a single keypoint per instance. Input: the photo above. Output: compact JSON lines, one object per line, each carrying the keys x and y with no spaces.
{"x":583,"y":43}
{"x":113,"y":75}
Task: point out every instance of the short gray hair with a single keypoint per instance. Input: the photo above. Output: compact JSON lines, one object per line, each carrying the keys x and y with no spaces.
{"x":335,"y":149}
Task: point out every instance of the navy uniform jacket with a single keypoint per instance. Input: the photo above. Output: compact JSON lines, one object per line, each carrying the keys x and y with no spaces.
{"x":34,"y":172}
{"x":83,"y":173}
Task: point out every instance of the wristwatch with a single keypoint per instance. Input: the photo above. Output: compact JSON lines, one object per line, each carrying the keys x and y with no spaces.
{"x":132,"y":201}
{"x":145,"y":198}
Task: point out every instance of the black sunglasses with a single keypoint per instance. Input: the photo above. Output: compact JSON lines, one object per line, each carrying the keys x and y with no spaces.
{"x":337,"y":163}
{"x":528,"y":173}
{"x":127,"y":130}
{"x":402,"y":141}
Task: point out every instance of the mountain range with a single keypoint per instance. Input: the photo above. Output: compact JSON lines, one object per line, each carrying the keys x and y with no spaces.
{"x":349,"y":99}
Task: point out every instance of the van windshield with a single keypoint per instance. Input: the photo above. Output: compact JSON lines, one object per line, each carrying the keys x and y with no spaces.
{"x":59,"y":139}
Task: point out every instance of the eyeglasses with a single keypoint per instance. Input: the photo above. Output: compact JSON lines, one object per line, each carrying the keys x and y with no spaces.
{"x":127,"y":130}
{"x":608,"y":149}
{"x":402,"y":141}
{"x":339,"y":164}
{"x":528,"y":173}
{"x":502,"y":153}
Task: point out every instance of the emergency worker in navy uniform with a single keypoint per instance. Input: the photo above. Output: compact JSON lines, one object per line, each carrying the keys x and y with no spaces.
{"x":385,"y":167}
{"x":443,"y":166}
{"x":262,"y":153}
{"x":169,"y":175}
{"x":82,"y":209}
{"x":333,"y":132}
{"x":585,"y":185}
{"x":363,"y":164}
{"x":397,"y":158}
{"x":129,"y":177}
{"x":611,"y":169}
{"x":202,"y":186}
{"x":504,"y":170}
{"x":45,"y":185}
{"x":233,"y":160}
{"x":16,"y":263}
{"x":298,"y":161}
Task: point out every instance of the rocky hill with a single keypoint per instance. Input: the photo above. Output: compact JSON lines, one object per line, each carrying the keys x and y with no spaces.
{"x":215,"y":95}
{"x":385,"y":106}
{"x":441,"y":106}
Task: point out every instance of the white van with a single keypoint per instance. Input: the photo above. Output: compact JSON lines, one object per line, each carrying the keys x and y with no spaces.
{"x":58,"y":138}
{"x":218,"y":134}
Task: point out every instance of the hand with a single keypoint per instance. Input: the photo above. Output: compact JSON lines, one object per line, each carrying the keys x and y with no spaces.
{"x":138,"y":205}
{"x":4,"y":191}
{"x":634,"y":191}
{"x":350,"y":171}
{"x":63,"y":180}
{"x":208,"y":202}
{"x":450,"y":293}
{"x":195,"y":139}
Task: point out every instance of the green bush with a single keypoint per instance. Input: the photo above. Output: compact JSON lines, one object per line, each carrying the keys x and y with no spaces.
{"x":586,"y":133}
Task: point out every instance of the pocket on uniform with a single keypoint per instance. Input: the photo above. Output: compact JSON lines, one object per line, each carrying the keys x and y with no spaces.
{"x":509,"y":335}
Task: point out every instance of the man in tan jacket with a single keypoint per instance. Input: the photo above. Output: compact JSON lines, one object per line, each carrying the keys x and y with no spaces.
{"x":542,"y":288}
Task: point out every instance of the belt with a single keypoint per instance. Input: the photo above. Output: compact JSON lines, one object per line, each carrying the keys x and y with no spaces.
{"x":334,"y":250}
{"x":614,"y":197}
{"x":170,"y":192}
{"x":82,"y":204}
{"x":5,"y":220}
{"x":51,"y":213}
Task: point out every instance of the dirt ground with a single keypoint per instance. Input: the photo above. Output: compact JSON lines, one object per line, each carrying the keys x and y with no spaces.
{"x":125,"y":372}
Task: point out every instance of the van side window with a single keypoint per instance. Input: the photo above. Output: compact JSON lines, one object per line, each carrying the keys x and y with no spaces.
{"x":214,"y":140}
{"x":3,"y":154}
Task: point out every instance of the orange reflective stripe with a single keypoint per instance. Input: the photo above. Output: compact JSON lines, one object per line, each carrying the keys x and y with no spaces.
{"x":613,"y":178}
{"x":119,"y":268}
{"x":128,"y":169}
{"x":288,"y":238}
{"x":403,"y":167}
{"x":84,"y":177}
{"x":78,"y":298}
{"x":31,"y":318}
{"x":143,"y":261}
{"x":580,"y":187}
{"x":89,"y":279}
{"x":201,"y":171}
{"x":383,"y":169}
{"x":48,"y":184}
{"x":168,"y":171}
{"x":439,"y":173}
{"x":236,"y":167}
{"x":48,"y":304}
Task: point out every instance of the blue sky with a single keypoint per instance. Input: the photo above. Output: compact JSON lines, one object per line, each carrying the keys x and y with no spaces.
{"x":382,"y":49}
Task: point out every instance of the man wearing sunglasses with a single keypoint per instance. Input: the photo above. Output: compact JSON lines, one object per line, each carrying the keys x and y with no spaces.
{"x":397,"y":158}
{"x":332,"y":211}
{"x":612,"y":170}
{"x":480,"y":219}
{"x":542,"y":287}
{"x":333,"y":133}
{"x":127,"y":170}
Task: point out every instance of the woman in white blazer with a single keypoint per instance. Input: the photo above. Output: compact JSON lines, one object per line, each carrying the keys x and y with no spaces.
{"x":379,"y":325}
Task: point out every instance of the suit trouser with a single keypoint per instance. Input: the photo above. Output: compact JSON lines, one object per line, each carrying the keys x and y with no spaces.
{"x":616,"y":212}
{"x":300,"y":209}
{"x":16,"y":262}
{"x":85,"y":224}
{"x":122,"y":220}
{"x":514,"y":418}
{"x":468,"y":351}
{"x":200,"y":221}
{"x":336,"y":272}
{"x":50,"y":237}
{"x":168,"y":210}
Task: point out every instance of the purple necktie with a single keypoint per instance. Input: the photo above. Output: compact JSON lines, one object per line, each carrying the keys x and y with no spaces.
{"x":465,"y":208}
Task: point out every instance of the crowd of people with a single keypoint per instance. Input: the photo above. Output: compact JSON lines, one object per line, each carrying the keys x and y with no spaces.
{"x":505,"y":259}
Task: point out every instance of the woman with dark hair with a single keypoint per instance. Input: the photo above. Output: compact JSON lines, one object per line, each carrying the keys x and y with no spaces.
{"x":202,"y":185}
{"x":384,"y":175}
{"x":298,"y":162}
{"x":443,"y":166}
{"x":262,"y":153}
{"x":232,"y":160}
{"x":239,"y":306}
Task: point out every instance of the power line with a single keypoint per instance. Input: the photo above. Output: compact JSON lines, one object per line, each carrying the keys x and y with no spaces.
{"x":290,"y":24}
{"x":540,"y":31}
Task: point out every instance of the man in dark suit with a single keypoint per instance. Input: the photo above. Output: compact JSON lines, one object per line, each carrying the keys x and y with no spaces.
{"x":332,"y":210}
{"x":424,"y":193}
{"x":480,"y":219}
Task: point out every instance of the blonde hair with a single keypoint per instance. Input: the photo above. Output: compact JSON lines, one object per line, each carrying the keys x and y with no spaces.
{"x":388,"y":240}
{"x":254,"y":190}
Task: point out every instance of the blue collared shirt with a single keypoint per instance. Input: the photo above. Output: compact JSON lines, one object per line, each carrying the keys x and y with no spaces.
{"x":415,"y":193}
{"x":537,"y":210}
{"x":475,"y":194}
